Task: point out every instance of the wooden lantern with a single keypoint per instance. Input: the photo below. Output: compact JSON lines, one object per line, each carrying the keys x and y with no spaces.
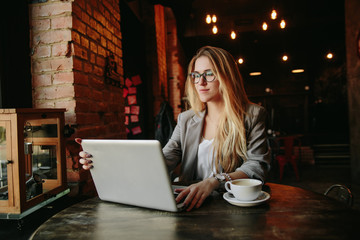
{"x":32,"y":160}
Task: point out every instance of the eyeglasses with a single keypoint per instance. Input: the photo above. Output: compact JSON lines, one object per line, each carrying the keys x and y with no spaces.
{"x":209,"y":76}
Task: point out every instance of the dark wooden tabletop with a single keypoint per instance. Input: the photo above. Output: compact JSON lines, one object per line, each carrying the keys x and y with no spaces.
{"x":291,"y":213}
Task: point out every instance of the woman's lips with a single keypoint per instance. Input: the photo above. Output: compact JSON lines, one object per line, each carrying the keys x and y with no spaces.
{"x":203,"y":90}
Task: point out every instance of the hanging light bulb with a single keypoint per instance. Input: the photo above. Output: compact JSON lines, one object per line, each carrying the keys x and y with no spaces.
{"x":215,"y":29}
{"x":208,"y":19}
{"x":273,"y":14}
{"x":282,"y":24}
{"x":241,"y":61}
{"x":264,"y":26}
{"x":233,"y":35}
{"x":214,"y":18}
{"x":285,"y":57}
{"x":329,"y":55}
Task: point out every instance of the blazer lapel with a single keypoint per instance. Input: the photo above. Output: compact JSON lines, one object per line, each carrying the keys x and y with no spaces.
{"x":191,"y":145}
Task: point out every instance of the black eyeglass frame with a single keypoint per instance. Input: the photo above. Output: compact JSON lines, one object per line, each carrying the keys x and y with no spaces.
{"x":202,"y":75}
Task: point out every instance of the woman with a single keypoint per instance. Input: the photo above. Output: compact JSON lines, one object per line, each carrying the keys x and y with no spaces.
{"x":222,"y":137}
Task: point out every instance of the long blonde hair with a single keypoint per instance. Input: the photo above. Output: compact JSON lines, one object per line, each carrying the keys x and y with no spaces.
{"x":230,"y":140}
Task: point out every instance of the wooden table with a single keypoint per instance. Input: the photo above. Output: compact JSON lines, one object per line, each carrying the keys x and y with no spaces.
{"x":291,"y":213}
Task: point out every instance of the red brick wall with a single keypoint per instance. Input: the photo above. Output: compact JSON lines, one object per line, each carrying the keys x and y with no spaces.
{"x":96,"y":34}
{"x":170,"y":61}
{"x":70,"y":43}
{"x":175,"y":64}
{"x":161,"y":89}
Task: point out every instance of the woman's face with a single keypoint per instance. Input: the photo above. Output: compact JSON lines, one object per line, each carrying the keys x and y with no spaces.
{"x":207,"y":91}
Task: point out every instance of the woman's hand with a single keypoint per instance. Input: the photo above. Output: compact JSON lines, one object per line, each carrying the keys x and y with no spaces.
{"x":85,"y":158}
{"x":196,"y":193}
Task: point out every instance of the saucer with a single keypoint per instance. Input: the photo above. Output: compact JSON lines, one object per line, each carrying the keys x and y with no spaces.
{"x":263,"y":197}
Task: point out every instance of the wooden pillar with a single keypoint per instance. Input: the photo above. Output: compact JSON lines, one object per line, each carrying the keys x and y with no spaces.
{"x":352,"y":25}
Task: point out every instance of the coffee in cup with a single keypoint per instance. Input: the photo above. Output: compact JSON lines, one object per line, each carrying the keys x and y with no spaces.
{"x":244,"y":189}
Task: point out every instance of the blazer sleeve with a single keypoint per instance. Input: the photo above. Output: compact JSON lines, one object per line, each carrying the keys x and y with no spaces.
{"x":172,"y":150}
{"x":257,"y":164}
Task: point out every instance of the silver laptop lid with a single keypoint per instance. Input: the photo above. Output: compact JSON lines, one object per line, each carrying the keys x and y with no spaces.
{"x":131,"y":172}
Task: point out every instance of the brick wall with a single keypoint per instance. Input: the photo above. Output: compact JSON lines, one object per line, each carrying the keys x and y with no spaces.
{"x":70,"y":41}
{"x":170,"y":61}
{"x":175,"y":64}
{"x":161,"y":89}
{"x":52,"y":77}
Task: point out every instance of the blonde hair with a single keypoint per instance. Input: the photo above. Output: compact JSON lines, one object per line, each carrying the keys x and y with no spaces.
{"x":230,"y":141}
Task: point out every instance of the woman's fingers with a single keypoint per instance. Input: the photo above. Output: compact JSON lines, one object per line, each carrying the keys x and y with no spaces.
{"x":194,"y":196}
{"x":182,"y":193}
{"x":85,"y":154}
{"x":87,"y":164}
{"x":194,"y":201}
{"x":201,"y":200}
{"x":85,"y":161}
{"x":87,"y":167}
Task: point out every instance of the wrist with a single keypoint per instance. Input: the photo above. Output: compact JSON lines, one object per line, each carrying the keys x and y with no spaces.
{"x":214,"y":182}
{"x":222,"y":177}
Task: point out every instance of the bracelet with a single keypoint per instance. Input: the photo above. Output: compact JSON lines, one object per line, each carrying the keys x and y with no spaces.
{"x":228,"y":176}
{"x":222,"y":177}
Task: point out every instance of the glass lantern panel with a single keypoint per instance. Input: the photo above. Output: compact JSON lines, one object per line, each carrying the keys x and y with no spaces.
{"x":3,"y":165}
{"x":40,"y":148}
{"x":44,"y":161}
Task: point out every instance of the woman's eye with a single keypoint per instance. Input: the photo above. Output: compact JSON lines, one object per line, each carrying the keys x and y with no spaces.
{"x":209,"y":74}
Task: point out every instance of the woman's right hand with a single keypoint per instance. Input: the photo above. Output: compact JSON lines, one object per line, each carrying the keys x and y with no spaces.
{"x":85,"y":158}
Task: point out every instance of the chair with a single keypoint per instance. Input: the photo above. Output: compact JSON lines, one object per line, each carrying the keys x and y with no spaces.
{"x":288,"y":156}
{"x":341,"y":193}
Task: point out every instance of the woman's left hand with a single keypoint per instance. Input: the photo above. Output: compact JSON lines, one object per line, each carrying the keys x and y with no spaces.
{"x":196,"y":193}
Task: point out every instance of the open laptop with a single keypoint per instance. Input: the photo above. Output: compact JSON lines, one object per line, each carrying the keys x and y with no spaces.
{"x":131,"y":172}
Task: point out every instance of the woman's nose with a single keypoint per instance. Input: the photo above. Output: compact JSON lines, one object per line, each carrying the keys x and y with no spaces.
{"x":202,"y":81}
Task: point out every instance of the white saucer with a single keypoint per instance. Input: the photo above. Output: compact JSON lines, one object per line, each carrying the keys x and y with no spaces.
{"x":263,"y":197}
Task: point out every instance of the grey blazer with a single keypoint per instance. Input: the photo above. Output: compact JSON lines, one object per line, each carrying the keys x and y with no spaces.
{"x":184,"y":142}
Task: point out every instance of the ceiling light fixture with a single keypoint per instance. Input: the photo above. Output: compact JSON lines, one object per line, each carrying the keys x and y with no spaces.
{"x":255,"y":74}
{"x":273,"y":14}
{"x":215,"y":29}
{"x":264,"y":26}
{"x":233,"y":35}
{"x":208,"y":19}
{"x":329,"y":55}
{"x":214,"y":18}
{"x":285,"y":58}
{"x":282,"y":24}
{"x":300,"y":70}
{"x":241,"y":61}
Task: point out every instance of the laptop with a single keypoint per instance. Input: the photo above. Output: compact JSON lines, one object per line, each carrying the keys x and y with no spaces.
{"x":132,"y":172}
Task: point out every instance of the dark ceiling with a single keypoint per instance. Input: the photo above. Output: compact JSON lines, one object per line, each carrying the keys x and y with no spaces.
{"x":313,"y":29}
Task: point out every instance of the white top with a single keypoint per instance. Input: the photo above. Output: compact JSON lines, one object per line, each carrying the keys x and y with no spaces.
{"x":205,"y":159}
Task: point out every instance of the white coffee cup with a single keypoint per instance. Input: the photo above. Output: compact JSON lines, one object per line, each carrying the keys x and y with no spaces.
{"x":244,"y":189}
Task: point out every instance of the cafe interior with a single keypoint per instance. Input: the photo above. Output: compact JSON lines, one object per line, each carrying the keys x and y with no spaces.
{"x":105,"y":69}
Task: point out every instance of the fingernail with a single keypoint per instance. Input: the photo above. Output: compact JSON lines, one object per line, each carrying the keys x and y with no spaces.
{"x":92,"y":166}
{"x":90,"y":161}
